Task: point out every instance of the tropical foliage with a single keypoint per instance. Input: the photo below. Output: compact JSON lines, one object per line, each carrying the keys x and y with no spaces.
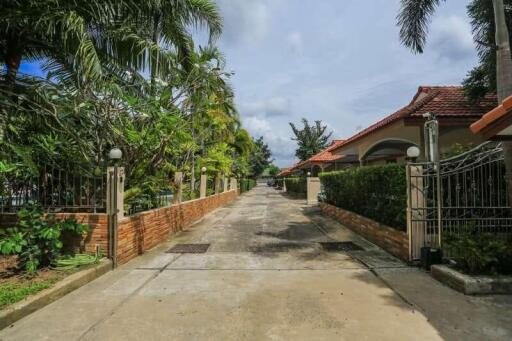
{"x":38,"y":240}
{"x":122,"y":73}
{"x":311,"y":139}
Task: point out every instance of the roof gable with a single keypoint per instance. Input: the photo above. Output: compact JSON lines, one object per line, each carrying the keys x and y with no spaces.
{"x":442,"y":101}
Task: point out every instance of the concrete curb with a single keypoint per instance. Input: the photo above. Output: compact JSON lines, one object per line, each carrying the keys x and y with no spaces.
{"x":472,"y":285}
{"x":32,"y":303}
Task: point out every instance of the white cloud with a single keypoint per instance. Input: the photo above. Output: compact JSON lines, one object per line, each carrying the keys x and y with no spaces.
{"x":282,"y":147}
{"x":295,"y":42}
{"x":245,"y":21}
{"x":451,"y":37}
{"x":275,"y":106}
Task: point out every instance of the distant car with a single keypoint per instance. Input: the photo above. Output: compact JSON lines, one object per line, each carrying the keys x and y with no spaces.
{"x":271,"y":183}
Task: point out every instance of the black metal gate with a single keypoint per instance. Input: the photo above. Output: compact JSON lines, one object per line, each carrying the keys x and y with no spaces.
{"x":465,"y":192}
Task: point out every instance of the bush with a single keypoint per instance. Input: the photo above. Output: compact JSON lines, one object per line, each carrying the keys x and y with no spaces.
{"x":37,"y":239}
{"x":246,"y":185}
{"x":296,"y":185}
{"x":376,"y":192}
{"x":479,"y":253}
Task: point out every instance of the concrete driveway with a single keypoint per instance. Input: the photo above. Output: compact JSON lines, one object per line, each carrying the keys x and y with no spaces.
{"x":266,"y":276}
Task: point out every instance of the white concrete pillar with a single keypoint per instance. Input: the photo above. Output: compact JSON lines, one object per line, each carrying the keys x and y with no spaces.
{"x":313,"y":188}
{"x":202,"y":186}
{"x":416,"y":212}
{"x":234,"y":184}
{"x":178,"y":188}
{"x":119,"y":191}
{"x":226,"y":183}
{"x":217,"y":184}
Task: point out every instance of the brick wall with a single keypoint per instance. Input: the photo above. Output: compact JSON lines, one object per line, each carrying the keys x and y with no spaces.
{"x":394,"y":241}
{"x":97,"y":235}
{"x":145,"y":230}
{"x":139,"y":232}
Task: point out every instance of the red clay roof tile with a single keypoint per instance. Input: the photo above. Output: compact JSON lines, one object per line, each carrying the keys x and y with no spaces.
{"x":442,"y":101}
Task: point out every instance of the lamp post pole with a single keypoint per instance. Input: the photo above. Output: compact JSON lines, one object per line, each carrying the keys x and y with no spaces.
{"x":115,"y":155}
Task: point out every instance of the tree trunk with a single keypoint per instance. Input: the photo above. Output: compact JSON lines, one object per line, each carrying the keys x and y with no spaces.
{"x":504,"y":78}
{"x":12,"y":61}
{"x":154,"y":63}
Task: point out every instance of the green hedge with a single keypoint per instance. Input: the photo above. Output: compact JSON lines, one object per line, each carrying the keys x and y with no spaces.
{"x":376,"y":192}
{"x":296,"y":185}
{"x":246,"y":185}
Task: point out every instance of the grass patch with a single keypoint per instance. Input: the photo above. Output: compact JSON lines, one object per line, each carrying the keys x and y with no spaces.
{"x":16,"y":289}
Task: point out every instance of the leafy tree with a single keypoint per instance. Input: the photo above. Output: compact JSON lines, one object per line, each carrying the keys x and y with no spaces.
{"x":310,"y":139}
{"x":260,"y":157}
{"x":273,"y":170}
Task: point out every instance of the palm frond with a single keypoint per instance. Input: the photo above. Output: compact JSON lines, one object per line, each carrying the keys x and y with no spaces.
{"x":413,"y":20}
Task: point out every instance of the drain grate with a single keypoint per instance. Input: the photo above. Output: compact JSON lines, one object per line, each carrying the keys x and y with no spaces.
{"x":189,"y":248}
{"x":341,"y":246}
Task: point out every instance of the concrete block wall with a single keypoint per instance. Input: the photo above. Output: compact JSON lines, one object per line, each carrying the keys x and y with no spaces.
{"x":394,"y":241}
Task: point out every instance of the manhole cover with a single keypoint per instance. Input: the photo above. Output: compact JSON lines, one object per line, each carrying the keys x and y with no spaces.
{"x":189,"y":248}
{"x":341,"y":246}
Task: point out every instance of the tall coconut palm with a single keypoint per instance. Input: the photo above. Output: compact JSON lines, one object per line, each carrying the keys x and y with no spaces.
{"x":80,"y":38}
{"x":209,"y":93}
{"x":413,"y":20}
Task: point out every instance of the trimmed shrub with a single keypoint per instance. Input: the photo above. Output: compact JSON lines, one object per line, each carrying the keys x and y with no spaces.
{"x":376,"y":192}
{"x":246,"y":185}
{"x":296,"y":185}
{"x":478,"y":253}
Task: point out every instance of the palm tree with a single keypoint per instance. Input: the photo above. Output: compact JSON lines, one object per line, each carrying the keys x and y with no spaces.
{"x":413,"y":20}
{"x":80,"y":39}
{"x":209,"y":96}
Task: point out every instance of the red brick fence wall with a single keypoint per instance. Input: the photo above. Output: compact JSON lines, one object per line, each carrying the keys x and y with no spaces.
{"x":139,"y":232}
{"x":145,"y":230}
{"x":394,"y":241}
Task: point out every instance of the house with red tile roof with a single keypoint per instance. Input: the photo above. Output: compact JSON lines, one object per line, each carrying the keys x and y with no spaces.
{"x":388,"y":139}
{"x":323,"y":161}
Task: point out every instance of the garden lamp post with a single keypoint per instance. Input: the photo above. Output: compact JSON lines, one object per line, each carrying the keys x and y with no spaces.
{"x":115,"y":155}
{"x":413,"y":153}
{"x":203,"y":183}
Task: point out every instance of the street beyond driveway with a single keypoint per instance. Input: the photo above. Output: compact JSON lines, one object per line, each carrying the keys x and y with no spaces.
{"x":265,"y":276}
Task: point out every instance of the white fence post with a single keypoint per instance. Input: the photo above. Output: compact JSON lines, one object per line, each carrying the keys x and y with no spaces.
{"x":313,"y":188}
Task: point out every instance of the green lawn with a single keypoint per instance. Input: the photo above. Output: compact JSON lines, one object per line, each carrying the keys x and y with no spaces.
{"x":16,"y":290}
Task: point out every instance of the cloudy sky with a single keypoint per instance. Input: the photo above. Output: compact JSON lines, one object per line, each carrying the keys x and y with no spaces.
{"x":336,"y":61}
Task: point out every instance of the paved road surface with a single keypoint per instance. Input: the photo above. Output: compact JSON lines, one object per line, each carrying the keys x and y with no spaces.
{"x":266,"y":277}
